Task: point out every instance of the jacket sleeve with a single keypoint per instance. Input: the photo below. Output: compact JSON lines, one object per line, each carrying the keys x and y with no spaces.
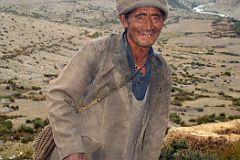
{"x":63,"y":99}
{"x":157,"y":123}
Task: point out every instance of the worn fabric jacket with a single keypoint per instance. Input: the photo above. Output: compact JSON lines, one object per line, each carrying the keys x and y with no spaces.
{"x":102,"y":131}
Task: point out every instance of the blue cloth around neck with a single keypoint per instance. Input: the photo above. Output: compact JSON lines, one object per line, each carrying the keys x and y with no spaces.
{"x":140,"y":82}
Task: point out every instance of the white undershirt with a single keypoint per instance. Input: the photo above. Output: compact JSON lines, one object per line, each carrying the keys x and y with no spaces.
{"x":137,"y":114}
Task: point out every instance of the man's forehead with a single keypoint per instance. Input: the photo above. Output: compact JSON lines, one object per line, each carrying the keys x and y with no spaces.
{"x":146,"y":9}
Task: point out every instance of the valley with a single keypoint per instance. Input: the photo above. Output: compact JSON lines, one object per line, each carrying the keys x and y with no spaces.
{"x":38,"y":39}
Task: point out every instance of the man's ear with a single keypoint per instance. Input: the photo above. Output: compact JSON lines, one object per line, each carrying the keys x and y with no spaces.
{"x":123,"y":21}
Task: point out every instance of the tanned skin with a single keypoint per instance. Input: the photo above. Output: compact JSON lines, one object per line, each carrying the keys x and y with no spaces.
{"x":140,"y":36}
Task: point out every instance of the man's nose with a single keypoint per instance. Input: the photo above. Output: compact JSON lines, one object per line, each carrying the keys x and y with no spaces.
{"x":149,"y":23}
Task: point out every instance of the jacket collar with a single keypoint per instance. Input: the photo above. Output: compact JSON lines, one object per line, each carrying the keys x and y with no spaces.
{"x":121,"y":63}
{"x":120,"y":59}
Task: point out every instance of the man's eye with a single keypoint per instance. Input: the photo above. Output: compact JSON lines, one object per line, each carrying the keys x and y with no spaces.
{"x":140,"y":17}
{"x":156,"y":17}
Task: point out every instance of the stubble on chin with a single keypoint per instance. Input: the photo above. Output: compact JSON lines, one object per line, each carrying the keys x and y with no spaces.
{"x":147,"y":43}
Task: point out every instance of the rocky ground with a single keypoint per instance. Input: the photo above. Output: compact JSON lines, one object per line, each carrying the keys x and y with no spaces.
{"x":37,"y":39}
{"x":205,"y":67}
{"x":216,"y":141}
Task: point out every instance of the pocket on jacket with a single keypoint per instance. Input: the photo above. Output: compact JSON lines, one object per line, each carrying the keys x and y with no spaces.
{"x":94,"y":150}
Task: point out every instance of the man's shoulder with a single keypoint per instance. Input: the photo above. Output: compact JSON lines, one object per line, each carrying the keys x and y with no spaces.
{"x":107,"y":41}
{"x":107,"y":37}
{"x":162,"y":65}
{"x":159,"y":58}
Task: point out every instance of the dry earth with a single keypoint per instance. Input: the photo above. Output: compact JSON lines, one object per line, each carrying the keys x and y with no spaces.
{"x":33,"y":51}
{"x":207,"y":136}
{"x":91,"y":13}
{"x":232,"y":7}
{"x":200,"y":64}
{"x":38,"y":39}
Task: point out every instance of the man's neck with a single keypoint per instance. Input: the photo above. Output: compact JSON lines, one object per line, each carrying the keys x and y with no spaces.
{"x":139,"y":53}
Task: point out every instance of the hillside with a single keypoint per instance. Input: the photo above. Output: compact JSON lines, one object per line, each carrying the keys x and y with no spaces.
{"x":219,"y":141}
{"x":227,"y":4}
{"x":92,"y":14}
{"x":39,"y":37}
{"x":217,"y":131}
{"x":231,"y":7}
{"x":187,"y":4}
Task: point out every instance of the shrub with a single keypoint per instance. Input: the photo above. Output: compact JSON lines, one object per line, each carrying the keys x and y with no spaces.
{"x":15,"y":107}
{"x":233,"y":117}
{"x":230,"y":152}
{"x":237,"y":28}
{"x":176,"y":102}
{"x":174,"y":117}
{"x":212,"y":118}
{"x":179,"y":150}
{"x":222,"y":117}
{"x":24,"y":128}
{"x":206,"y":119}
{"x":46,"y":121}
{"x":199,"y":109}
{"x":8,"y":124}
{"x":28,"y":121}
{"x":17,"y":95}
{"x":222,"y":114}
{"x":26,"y":139}
{"x":38,"y":123}
{"x":196,"y":155}
{"x":236,"y":102}
{"x":170,"y":152}
{"x":206,"y":105}
{"x":221,"y":93}
{"x":36,"y":88}
{"x":192,"y":120}
{"x":227,"y":74}
{"x":5,"y":126}
{"x":179,"y":145}
{"x":221,"y":105}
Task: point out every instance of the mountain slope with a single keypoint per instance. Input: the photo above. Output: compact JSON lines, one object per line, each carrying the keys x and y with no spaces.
{"x":231,"y":7}
{"x":227,"y":4}
{"x":187,"y":4}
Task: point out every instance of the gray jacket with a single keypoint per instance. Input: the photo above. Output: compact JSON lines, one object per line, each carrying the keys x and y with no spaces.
{"x":102,"y":131}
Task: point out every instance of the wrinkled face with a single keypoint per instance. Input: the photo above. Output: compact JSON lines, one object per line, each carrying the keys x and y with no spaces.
{"x":143,"y":25}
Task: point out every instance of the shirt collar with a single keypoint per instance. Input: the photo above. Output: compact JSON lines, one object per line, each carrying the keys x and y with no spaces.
{"x":129,"y":51}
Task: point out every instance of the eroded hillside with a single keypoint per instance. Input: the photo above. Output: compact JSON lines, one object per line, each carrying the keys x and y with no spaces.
{"x":38,"y":38}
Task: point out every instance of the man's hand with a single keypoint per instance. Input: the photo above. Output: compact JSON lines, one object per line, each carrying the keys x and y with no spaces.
{"x":76,"y":156}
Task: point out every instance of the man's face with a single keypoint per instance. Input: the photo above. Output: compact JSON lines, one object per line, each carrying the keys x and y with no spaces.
{"x":143,"y":25}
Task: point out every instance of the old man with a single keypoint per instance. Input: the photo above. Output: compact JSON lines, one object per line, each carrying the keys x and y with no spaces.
{"x":122,"y":88}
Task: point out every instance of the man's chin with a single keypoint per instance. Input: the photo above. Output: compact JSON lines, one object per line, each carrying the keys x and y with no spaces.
{"x":145,"y":44}
{"x":147,"y":41}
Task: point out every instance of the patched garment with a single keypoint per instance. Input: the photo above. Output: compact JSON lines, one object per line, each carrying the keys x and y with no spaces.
{"x":105,"y":131}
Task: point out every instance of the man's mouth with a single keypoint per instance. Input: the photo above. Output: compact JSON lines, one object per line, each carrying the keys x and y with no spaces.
{"x":147,"y":35}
